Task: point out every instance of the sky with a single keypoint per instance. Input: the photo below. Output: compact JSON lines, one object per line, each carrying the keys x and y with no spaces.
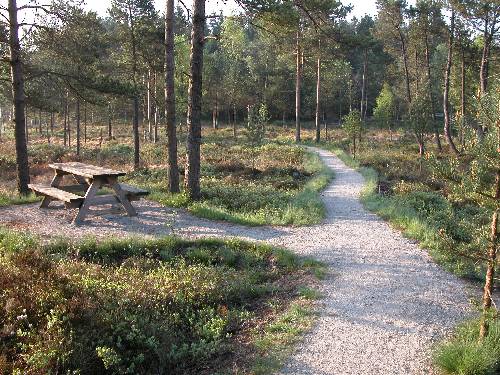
{"x":361,"y":7}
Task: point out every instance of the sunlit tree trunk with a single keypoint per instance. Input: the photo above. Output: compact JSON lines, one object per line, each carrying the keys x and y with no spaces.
{"x":363,"y":85}
{"x":192,"y":179}
{"x":491,"y":263}
{"x":298,"y":85}
{"x":446,"y":101}
{"x":318,"y":82}
{"x":78,"y":143}
{"x":110,"y":125}
{"x":404,"y":55}
{"x":173,"y":168}
{"x":148,"y":106}
{"x":17,"y":81}
{"x":85,"y":122}
{"x":431,"y":93}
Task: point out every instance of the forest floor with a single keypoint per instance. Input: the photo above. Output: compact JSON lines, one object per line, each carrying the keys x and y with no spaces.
{"x":385,"y":302}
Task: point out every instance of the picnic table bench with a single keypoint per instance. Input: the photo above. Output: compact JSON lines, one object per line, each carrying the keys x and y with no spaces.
{"x":89,"y":180}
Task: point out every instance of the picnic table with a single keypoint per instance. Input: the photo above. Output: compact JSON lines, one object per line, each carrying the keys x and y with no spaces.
{"x":89,"y":180}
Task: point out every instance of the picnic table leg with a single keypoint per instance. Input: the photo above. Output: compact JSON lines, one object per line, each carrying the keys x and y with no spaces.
{"x":56,"y":181}
{"x":87,"y":201}
{"x":122,"y":197}
{"x":82,"y":181}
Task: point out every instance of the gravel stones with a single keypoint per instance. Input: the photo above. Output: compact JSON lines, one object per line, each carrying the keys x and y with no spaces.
{"x":385,"y":302}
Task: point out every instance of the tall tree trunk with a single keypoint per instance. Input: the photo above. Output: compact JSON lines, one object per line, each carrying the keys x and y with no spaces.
{"x":52,"y":120}
{"x":40,"y":121}
{"x":48,"y":130}
{"x":110,"y":126}
{"x":446,"y":102}
{"x":298,"y":84}
{"x":234,"y":120}
{"x":363,"y":85}
{"x":173,"y":168}
{"x":483,"y":70}
{"x":85,"y":122}
{"x":405,"y":64}
{"x":135,"y":128}
{"x":26,"y":126}
{"x":148,"y":106}
{"x":192,"y":179}
{"x":69,"y":123}
{"x":156,"y":110}
{"x":135,"y":121}
{"x":1,"y":123}
{"x":318,"y":82}
{"x":65,"y":122}
{"x":431,"y":93}
{"x":78,"y":143}
{"x":215,"y":112}
{"x":17,"y":80}
{"x":326,"y":126}
{"x":491,"y":263}
{"x":462,"y":97}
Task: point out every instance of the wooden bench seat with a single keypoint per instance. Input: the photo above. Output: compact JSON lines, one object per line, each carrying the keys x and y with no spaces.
{"x":56,"y":193}
{"x":132,"y":192}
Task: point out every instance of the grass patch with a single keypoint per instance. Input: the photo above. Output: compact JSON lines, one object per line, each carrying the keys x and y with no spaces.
{"x":8,"y":199}
{"x":465,"y":354}
{"x":166,"y":305}
{"x":282,"y":187}
{"x":275,"y":342}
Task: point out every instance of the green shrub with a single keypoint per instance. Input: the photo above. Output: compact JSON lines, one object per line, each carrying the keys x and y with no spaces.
{"x":465,"y":354}
{"x":258,"y":185}
{"x":131,"y":306}
{"x":46,"y":153}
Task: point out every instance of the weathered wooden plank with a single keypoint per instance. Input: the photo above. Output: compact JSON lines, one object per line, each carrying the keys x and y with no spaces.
{"x":103,"y":199}
{"x":87,"y":202}
{"x":124,"y":200}
{"x":132,"y":190}
{"x":74,"y":188}
{"x":55,"y":193}
{"x":85,"y":170}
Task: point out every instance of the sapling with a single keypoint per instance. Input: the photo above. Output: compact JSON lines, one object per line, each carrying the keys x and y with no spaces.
{"x":352,"y":125}
{"x":257,"y":118}
{"x":475,"y":177}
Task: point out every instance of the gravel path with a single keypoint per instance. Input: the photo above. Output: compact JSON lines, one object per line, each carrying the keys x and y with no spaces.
{"x":385,"y":302}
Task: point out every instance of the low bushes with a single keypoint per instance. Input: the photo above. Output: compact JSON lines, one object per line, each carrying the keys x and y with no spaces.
{"x":135,"y":306}
{"x":281,"y":189}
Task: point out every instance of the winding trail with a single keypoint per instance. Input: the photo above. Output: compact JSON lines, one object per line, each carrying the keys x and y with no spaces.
{"x":385,"y":302}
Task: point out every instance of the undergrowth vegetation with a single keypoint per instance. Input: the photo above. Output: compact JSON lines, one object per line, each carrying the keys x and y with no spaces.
{"x":282,"y":187}
{"x":148,"y":306}
{"x":270,"y":183}
{"x":466,"y":354}
{"x":399,"y":187}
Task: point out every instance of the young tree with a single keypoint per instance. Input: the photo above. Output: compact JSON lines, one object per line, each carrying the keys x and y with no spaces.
{"x":257,"y":119}
{"x":426,"y":25}
{"x":476,"y":178}
{"x":352,"y":125}
{"x":385,"y":109}
{"x":133,"y":16}
{"x":419,"y":118}
{"x":391,"y":28}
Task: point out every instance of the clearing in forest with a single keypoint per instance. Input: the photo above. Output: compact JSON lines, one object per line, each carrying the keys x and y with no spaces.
{"x":385,"y":301}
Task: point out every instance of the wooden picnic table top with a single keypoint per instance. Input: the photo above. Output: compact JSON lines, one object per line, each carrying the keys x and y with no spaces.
{"x":86,"y":170}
